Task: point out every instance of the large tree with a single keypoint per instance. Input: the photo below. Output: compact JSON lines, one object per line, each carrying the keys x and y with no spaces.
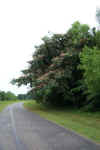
{"x":52,"y":73}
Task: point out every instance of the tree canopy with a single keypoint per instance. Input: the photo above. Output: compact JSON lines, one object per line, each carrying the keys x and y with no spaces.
{"x":55,"y":74}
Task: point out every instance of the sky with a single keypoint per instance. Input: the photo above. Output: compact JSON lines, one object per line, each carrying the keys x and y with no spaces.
{"x":24,"y":22}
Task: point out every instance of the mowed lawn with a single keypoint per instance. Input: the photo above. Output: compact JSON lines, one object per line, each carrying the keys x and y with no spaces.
{"x":85,"y":123}
{"x":4,"y":104}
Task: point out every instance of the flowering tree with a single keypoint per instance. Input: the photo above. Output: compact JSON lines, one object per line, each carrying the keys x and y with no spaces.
{"x":52,"y":73}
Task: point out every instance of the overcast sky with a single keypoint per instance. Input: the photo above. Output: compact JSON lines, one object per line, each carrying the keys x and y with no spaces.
{"x":24,"y":22}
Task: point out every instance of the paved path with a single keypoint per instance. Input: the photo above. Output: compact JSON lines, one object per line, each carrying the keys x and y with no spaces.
{"x":24,"y":130}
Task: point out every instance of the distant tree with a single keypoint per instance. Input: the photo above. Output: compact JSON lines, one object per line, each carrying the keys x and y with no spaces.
{"x":21,"y":96}
{"x":10,"y":96}
{"x":7,"y":96}
{"x":26,"y":96}
{"x":98,"y":15}
{"x":2,"y":96}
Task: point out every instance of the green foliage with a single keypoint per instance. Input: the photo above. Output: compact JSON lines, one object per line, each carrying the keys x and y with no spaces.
{"x":97,"y":39}
{"x":27,"y":96}
{"x":53,"y":73}
{"x":7,"y":96}
{"x":90,"y":63}
{"x":10,"y":96}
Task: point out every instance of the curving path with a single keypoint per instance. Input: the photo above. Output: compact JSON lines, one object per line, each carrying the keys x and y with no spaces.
{"x":24,"y":130}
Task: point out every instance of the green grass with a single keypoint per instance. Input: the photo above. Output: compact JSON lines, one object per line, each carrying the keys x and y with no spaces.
{"x":85,"y":123}
{"x":4,"y":104}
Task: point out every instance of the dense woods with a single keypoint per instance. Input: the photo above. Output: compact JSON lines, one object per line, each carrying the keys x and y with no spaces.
{"x":65,"y":69}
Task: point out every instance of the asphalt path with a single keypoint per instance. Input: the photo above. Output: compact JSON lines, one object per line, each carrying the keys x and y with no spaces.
{"x":24,"y":130}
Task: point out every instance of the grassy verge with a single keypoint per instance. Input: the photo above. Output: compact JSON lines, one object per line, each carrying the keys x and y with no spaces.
{"x":84,"y":123}
{"x":4,"y":104}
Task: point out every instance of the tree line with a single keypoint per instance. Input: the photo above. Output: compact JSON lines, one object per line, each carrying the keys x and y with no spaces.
{"x":5,"y":96}
{"x":65,"y":69}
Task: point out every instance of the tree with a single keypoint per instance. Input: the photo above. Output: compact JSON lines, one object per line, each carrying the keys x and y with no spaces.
{"x":2,"y":96}
{"x":52,"y":73}
{"x":10,"y":96}
{"x":7,"y":96}
{"x":98,"y":15}
{"x":27,"y":96}
{"x":90,"y":63}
